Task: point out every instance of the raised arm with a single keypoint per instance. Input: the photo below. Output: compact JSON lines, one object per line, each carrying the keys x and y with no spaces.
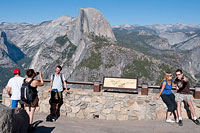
{"x":41,"y":82}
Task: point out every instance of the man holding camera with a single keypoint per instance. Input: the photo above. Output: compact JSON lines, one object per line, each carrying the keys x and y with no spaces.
{"x":57,"y":85}
{"x":183,"y":94}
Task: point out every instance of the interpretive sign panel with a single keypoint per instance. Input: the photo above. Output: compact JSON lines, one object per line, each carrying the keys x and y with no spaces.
{"x":120,"y":83}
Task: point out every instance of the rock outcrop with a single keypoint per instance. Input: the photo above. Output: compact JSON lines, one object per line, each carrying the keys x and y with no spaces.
{"x":5,"y":60}
{"x":13,"y":120}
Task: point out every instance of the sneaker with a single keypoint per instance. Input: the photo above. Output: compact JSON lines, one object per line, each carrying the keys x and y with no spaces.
{"x":180,"y":123}
{"x":54,"y":118}
{"x":196,"y":122}
{"x":177,"y":120}
{"x":170,"y":121}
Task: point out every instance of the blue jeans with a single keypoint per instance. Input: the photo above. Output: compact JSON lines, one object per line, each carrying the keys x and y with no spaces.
{"x":14,"y":104}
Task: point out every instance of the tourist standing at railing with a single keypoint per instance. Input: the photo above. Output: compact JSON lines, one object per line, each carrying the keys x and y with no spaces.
{"x":168,"y":97}
{"x":183,"y":94}
{"x":30,"y":107}
{"x":14,"y":88}
{"x":57,"y":85}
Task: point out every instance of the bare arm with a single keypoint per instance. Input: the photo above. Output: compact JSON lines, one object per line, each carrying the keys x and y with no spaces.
{"x":173,"y":84}
{"x":163,"y":86}
{"x":65,"y":85}
{"x":37,"y":82}
{"x":51,"y":84}
{"x":9,"y":91}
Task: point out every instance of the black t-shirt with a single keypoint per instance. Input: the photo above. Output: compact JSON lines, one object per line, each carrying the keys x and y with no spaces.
{"x":184,"y":87}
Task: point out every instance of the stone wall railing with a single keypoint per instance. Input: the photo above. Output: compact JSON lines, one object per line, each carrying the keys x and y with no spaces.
{"x":86,"y":104}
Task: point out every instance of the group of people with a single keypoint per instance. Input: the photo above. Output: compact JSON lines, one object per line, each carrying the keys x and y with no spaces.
{"x":172,"y":101}
{"x":57,"y":84}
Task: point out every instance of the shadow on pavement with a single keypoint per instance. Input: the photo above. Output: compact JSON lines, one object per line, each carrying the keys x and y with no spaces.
{"x":43,"y":129}
{"x":36,"y":123}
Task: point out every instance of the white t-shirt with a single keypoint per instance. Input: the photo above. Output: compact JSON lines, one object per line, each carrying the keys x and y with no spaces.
{"x":57,"y":82}
{"x":15,"y":83}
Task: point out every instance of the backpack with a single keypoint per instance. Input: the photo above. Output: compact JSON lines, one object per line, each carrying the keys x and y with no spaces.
{"x":27,"y":94}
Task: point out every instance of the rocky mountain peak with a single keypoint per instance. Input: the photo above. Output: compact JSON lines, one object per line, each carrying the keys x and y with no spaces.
{"x":65,"y":34}
{"x":91,"y":20}
{"x":63,"y":19}
{"x":13,"y":51}
{"x":3,"y":35}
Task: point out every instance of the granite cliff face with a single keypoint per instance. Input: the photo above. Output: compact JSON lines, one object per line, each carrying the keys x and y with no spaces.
{"x":62,"y":41}
{"x":5,"y":60}
{"x":9,"y":55}
{"x":69,"y":48}
{"x":88,"y":49}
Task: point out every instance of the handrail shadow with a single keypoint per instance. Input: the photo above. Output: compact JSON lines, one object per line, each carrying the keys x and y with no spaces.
{"x":41,"y":129}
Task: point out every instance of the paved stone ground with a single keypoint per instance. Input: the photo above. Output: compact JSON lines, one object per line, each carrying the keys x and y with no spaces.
{"x":73,"y":125}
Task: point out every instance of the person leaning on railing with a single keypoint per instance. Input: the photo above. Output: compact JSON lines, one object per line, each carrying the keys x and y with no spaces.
{"x":57,"y":85}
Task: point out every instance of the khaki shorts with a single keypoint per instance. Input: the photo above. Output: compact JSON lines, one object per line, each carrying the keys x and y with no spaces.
{"x":183,"y":97}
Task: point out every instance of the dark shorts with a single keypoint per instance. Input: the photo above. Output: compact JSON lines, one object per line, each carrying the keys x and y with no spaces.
{"x":34,"y":103}
{"x":56,"y":97}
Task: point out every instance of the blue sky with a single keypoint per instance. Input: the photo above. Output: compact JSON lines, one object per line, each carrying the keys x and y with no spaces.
{"x":117,"y":12}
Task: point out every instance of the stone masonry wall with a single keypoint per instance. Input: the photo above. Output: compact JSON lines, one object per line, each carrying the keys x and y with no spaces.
{"x":86,"y":104}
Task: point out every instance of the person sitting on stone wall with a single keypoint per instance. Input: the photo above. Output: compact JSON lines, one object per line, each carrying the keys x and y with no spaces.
{"x":168,"y":97}
{"x":183,"y":94}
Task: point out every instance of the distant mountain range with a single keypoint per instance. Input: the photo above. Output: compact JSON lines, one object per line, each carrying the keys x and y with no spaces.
{"x":88,"y":48}
{"x":180,"y":42}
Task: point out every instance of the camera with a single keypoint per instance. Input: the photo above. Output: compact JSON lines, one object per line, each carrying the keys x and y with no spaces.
{"x":37,"y":73}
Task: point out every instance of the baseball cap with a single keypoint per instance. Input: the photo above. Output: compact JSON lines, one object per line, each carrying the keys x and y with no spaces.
{"x":16,"y":70}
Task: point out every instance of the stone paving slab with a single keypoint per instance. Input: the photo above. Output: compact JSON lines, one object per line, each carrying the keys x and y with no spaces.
{"x":73,"y":125}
